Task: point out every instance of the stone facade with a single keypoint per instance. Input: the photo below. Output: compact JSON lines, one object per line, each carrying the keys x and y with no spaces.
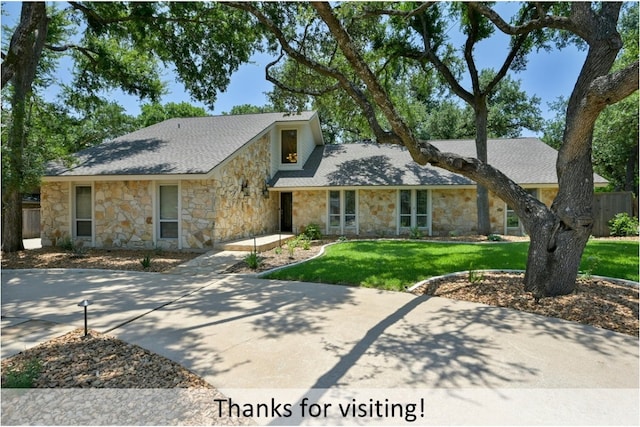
{"x":377,"y":212}
{"x":123,"y":214}
{"x":309,"y":207}
{"x":243,"y":207}
{"x":54,"y":212}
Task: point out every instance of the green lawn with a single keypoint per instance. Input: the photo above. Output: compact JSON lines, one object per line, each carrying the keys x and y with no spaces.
{"x":395,"y":264}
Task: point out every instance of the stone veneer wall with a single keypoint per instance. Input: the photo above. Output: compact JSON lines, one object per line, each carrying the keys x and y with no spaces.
{"x":123,"y":214}
{"x":309,"y":207}
{"x":54,"y":212}
{"x":377,"y":213}
{"x":245,"y":213}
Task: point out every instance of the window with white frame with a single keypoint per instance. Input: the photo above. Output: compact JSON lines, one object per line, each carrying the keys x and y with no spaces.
{"x":342,"y":210}
{"x":414,"y":208}
{"x":289,"y":146}
{"x":168,"y":211}
{"x":83,"y":222}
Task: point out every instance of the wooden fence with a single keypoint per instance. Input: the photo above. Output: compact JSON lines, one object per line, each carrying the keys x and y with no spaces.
{"x":606,"y":206}
{"x":30,"y":223}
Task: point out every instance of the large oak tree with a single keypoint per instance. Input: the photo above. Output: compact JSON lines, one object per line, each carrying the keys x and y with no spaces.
{"x":558,"y":233}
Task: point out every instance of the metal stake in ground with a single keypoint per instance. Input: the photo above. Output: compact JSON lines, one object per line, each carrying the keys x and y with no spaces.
{"x":85,"y":303}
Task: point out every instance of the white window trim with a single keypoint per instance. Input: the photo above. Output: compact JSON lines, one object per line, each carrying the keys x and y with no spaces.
{"x":156,"y":228}
{"x":342,"y":228}
{"x":74,"y":230}
{"x":414,"y":210}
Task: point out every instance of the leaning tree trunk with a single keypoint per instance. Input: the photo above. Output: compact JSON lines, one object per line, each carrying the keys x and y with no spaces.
{"x":25,"y":48}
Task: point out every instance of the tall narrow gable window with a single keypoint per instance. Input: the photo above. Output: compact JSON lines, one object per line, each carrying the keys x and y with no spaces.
{"x":168,"y":211}
{"x":289,"y":148}
{"x":83,"y":212}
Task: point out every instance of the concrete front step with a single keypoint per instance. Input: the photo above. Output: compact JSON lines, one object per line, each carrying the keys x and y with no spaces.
{"x":259,"y":243}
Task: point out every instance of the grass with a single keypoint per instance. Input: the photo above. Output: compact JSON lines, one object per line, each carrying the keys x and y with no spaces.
{"x":392,"y":265}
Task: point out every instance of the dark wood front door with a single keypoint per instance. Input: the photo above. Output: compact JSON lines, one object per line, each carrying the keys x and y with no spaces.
{"x":286,"y":211}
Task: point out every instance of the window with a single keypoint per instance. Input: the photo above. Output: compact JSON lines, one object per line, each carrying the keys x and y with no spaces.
{"x":83,"y":212}
{"x":342,"y":210}
{"x":289,"y":141}
{"x":414,"y":208}
{"x":168,"y":211}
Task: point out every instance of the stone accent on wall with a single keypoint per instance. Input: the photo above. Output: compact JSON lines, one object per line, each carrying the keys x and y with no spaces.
{"x":377,"y":212}
{"x":122,"y":210}
{"x":309,"y":207}
{"x":198,"y":213}
{"x":54,"y":212}
{"x":242,"y":209}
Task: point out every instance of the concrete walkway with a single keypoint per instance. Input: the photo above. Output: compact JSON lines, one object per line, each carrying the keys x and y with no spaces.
{"x":254,"y":338}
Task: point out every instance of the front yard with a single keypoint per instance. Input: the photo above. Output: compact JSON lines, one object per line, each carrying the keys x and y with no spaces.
{"x":396,"y":264}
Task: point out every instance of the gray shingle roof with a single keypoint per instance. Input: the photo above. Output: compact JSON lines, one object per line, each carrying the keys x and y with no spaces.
{"x":525,"y":160}
{"x":175,"y":146}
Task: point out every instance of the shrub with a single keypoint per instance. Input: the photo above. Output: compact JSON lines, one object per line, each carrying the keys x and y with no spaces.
{"x":623,"y":225}
{"x":65,"y":244}
{"x":474,"y":277}
{"x":291,"y":246}
{"x":312,"y":232}
{"x":305,"y":242}
{"x":415,"y":233}
{"x":22,"y":376}
{"x":146,"y":262}
{"x":253,"y":260}
{"x":494,"y":237}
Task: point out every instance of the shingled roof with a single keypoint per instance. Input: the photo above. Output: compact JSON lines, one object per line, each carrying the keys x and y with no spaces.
{"x":175,"y":146}
{"x":524,"y":160}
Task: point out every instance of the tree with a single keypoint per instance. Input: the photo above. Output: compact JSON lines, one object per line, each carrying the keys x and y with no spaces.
{"x":559,"y":233}
{"x":250,"y":109}
{"x":121,"y":46}
{"x":155,"y":113}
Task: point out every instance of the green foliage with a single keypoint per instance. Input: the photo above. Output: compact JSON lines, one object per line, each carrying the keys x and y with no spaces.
{"x":474,"y":277}
{"x":65,"y":243}
{"x":415,"y":233}
{"x":305,"y":242}
{"x":292,"y":244}
{"x":22,"y":375}
{"x":494,"y":238}
{"x":253,"y":260}
{"x":278,"y":250}
{"x":155,"y":113}
{"x":623,"y":225}
{"x":312,"y":232}
{"x":590,"y":265}
{"x":146,"y":262}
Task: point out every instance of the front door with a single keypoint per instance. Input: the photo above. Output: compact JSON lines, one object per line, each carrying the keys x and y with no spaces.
{"x":286,"y":211}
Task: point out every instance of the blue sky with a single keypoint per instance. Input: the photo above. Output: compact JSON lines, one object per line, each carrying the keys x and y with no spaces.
{"x":548,"y":74}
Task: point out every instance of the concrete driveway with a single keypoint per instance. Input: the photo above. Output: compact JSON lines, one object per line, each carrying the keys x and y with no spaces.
{"x":254,"y":338}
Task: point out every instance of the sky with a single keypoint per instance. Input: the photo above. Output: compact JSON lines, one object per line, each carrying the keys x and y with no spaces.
{"x":549,"y":75}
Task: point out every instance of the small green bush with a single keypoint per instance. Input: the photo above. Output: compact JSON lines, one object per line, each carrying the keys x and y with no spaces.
{"x":312,"y":232}
{"x":146,"y":262}
{"x":22,"y":376}
{"x":415,"y":233}
{"x":253,"y":260}
{"x":305,"y":242}
{"x":623,"y":225}
{"x":65,"y":244}
{"x":291,"y":246}
{"x":494,"y":237}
